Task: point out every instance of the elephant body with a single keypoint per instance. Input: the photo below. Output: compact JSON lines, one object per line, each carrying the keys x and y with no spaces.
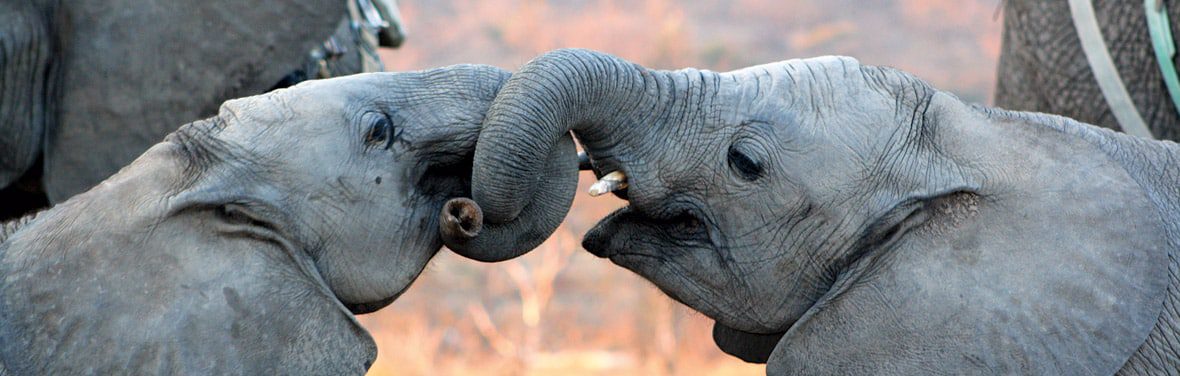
{"x":89,"y":85}
{"x":244,"y":243}
{"x":839,"y":218}
{"x":1042,"y":66}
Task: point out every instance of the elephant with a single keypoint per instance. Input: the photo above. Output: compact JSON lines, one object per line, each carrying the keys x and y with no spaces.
{"x":1043,"y":68}
{"x":840,"y":218}
{"x":245,"y":243}
{"x":89,"y":85}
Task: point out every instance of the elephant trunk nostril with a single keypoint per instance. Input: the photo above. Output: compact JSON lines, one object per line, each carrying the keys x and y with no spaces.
{"x":461,"y":220}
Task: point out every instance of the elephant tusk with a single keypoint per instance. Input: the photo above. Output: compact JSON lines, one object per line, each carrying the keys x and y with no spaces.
{"x":611,"y":182}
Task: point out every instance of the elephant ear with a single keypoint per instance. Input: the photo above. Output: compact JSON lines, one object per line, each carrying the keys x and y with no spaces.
{"x":135,"y":70}
{"x":1065,"y":273}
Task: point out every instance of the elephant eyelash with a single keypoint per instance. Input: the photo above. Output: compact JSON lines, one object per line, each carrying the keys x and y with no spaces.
{"x":382,"y":133}
{"x":747,"y":167}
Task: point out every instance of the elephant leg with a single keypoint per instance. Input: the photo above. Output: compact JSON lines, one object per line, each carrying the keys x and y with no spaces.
{"x":25,"y":83}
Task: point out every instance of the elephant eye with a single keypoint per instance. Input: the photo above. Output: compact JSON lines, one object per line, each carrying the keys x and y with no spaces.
{"x":381,"y":133}
{"x":687,"y":225}
{"x":748,"y":168}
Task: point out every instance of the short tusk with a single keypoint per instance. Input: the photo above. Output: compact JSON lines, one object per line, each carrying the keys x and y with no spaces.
{"x":611,"y":182}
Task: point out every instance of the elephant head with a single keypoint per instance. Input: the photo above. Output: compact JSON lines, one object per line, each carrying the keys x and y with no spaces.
{"x":242,"y":242}
{"x":834,"y":217}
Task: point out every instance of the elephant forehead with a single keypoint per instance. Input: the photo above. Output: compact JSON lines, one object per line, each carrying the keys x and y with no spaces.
{"x":797,"y":70}
{"x":818,"y":93}
{"x":281,"y":113}
{"x":263,"y":109}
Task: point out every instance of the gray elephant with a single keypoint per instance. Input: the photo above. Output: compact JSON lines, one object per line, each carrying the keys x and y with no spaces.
{"x":1043,"y":67}
{"x":839,"y":218}
{"x":89,"y":85}
{"x":244,"y":243}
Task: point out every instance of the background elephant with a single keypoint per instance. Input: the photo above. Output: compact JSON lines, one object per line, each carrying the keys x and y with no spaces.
{"x":241,"y":243}
{"x":1043,"y":68}
{"x":89,"y":85}
{"x":873,"y":224}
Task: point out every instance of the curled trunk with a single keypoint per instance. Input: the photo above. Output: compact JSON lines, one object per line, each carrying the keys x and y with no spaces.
{"x":598,"y":96}
{"x":461,"y":223}
{"x":464,"y":230}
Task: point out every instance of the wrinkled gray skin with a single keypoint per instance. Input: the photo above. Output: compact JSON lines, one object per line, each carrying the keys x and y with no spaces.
{"x":1043,"y":68}
{"x":241,"y":243}
{"x":89,"y":85}
{"x":838,"y":218}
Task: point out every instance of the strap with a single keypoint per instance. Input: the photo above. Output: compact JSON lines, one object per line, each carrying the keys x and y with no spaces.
{"x":1165,"y":48}
{"x":1105,"y":73}
{"x":366,"y":22}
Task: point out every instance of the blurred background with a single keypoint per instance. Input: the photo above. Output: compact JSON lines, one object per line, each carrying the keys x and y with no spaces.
{"x":560,"y":310}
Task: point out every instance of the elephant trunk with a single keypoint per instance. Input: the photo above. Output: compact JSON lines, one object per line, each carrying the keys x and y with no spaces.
{"x":527,"y":128}
{"x":465,"y":231}
{"x":462,"y":226}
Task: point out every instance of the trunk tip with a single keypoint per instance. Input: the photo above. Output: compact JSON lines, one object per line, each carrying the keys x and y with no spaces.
{"x":461,"y":220}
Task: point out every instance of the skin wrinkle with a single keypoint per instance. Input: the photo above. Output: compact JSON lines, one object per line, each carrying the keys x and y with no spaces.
{"x":678,"y":271}
{"x":503,"y":159}
{"x":730,"y":265}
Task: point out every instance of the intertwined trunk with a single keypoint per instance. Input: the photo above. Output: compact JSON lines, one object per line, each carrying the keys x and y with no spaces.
{"x":609,"y":103}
